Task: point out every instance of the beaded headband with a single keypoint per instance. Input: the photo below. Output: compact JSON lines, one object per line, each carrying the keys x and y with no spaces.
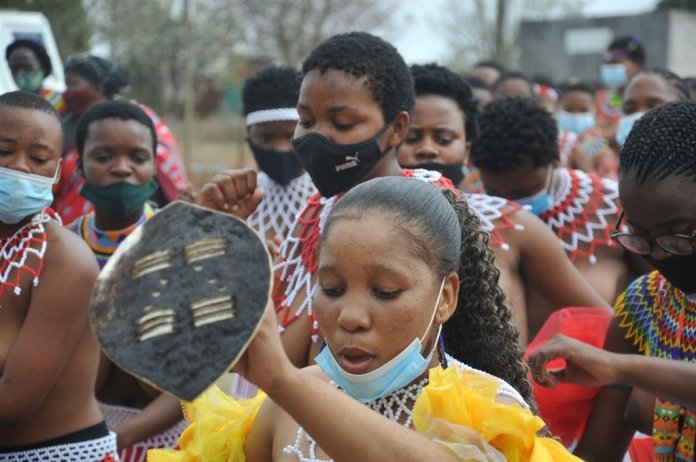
{"x":272,"y":115}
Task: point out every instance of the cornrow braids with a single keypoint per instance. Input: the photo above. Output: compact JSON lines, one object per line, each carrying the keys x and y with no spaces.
{"x":676,"y":83}
{"x":481,"y":332}
{"x":662,"y":143}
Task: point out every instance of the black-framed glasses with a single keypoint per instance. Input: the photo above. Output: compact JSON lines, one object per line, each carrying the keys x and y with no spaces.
{"x":676,"y":244}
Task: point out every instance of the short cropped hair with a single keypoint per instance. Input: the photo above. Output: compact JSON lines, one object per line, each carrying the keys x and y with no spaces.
{"x":432,"y":79}
{"x":515,"y":131}
{"x":122,"y":110}
{"x":273,"y":87}
{"x":26,"y":100}
{"x":360,"y":54}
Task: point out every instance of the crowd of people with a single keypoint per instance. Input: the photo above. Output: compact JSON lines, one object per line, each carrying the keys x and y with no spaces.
{"x":490,"y":267}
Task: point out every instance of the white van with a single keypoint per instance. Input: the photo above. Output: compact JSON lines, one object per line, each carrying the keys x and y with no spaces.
{"x":16,"y":25}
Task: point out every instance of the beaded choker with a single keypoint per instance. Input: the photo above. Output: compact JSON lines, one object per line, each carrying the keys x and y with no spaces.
{"x":396,"y":406}
{"x":16,"y":253}
{"x":104,"y":243}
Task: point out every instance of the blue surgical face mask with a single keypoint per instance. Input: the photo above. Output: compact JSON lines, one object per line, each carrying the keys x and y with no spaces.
{"x":23,"y":194}
{"x":613,"y":75}
{"x":625,"y":125}
{"x":577,"y":123}
{"x":540,"y":202}
{"x":398,"y":372}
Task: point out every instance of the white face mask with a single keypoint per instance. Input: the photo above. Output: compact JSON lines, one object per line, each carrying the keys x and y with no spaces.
{"x":24,"y":194}
{"x":625,"y":125}
{"x":396,"y":373}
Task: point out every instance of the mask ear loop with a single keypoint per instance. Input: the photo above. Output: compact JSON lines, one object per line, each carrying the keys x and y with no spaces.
{"x":439,"y":345}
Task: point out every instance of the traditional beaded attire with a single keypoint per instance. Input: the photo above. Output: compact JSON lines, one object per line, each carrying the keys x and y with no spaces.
{"x":103,"y":245}
{"x":95,"y":450}
{"x":299,"y":251}
{"x":567,"y":141}
{"x":455,"y":407}
{"x":281,"y":205}
{"x":22,"y":255}
{"x":116,"y":415}
{"x":55,"y":98}
{"x":584,"y":212}
{"x":660,"y":320}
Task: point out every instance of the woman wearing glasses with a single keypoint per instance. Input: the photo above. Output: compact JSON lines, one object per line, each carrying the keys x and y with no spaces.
{"x":656,"y":315}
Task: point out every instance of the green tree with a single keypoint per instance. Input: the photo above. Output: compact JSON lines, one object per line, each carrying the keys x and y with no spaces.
{"x":678,"y":4}
{"x":68,"y":20}
{"x":150,"y":39}
{"x":290,"y":29}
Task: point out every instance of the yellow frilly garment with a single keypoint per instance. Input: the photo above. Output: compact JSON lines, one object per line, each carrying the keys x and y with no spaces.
{"x":219,"y":428}
{"x":458,"y":410}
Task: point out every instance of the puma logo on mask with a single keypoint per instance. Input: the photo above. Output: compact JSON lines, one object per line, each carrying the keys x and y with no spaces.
{"x":353,"y":161}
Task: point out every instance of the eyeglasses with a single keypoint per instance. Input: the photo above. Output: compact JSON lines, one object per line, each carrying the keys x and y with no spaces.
{"x":676,"y":244}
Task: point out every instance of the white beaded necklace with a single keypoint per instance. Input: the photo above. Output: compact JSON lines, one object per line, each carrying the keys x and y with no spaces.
{"x":393,"y":406}
{"x":280,"y":206}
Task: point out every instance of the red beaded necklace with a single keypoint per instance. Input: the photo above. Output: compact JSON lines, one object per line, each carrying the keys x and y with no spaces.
{"x":16,"y":250}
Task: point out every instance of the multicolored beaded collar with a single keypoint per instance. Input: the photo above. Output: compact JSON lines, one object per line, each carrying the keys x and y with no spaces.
{"x":104,"y":243}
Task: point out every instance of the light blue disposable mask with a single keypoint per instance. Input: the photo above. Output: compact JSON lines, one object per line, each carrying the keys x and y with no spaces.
{"x":625,"y":125}
{"x":398,"y":372}
{"x":540,"y":202}
{"x":613,"y":75}
{"x":23,"y":194}
{"x":577,"y":123}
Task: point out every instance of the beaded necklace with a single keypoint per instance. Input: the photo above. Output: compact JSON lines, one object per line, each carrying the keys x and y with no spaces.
{"x":396,"y":406}
{"x":661,"y":322}
{"x":280,"y":206}
{"x":16,"y":252}
{"x":105,"y":243}
{"x":584,"y":213}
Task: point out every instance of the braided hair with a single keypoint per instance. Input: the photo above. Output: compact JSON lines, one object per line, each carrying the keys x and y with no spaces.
{"x":446,"y":233}
{"x":662,"y":143}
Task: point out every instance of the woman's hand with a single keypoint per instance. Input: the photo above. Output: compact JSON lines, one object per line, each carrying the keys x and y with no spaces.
{"x":265,"y":363}
{"x":585,"y":365}
{"x":232,"y":191}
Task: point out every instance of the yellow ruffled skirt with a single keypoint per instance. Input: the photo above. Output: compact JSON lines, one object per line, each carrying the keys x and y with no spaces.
{"x":458,"y":409}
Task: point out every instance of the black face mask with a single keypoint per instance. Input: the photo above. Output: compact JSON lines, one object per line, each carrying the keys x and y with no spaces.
{"x":281,"y":166}
{"x":679,"y":270}
{"x":454,"y":172}
{"x":335,"y":168}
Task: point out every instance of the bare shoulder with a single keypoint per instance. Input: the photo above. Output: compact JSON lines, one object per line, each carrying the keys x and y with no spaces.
{"x":68,"y":251}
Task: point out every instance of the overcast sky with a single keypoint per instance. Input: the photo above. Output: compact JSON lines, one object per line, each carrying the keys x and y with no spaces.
{"x":420,"y":41}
